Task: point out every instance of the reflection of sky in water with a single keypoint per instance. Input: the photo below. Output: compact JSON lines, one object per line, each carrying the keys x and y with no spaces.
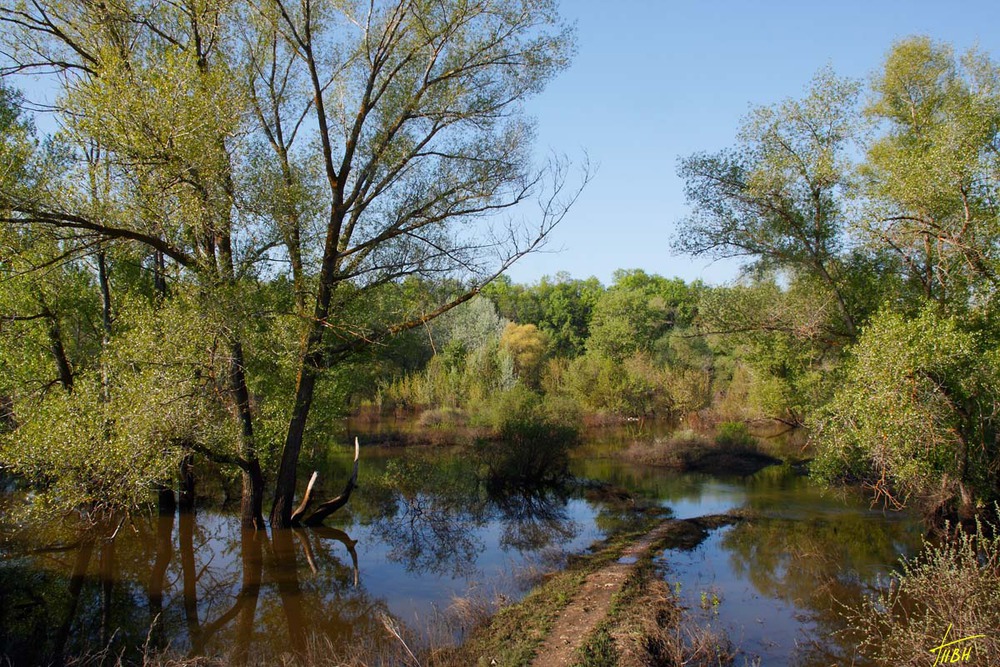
{"x":413,"y":595}
{"x":779,"y":576}
{"x":704,"y":496}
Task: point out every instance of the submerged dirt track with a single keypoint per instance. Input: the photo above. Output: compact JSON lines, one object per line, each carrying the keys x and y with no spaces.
{"x":593,"y":601}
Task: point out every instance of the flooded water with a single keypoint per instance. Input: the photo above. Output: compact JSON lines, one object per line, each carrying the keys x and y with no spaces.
{"x":421,"y":533}
{"x":776,"y":583}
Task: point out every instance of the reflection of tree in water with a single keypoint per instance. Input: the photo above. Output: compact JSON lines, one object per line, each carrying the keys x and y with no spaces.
{"x":195,"y":585}
{"x":428,"y":534}
{"x":433,"y":518}
{"x":816,"y":564}
{"x":534,"y":519}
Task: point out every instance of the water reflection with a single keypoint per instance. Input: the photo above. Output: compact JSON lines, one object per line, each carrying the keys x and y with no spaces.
{"x":534,"y":519}
{"x":420,"y":530}
{"x":193,"y":582}
{"x":784,"y":575}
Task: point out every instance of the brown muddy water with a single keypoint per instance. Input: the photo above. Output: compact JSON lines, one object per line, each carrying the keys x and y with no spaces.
{"x":420,"y":537}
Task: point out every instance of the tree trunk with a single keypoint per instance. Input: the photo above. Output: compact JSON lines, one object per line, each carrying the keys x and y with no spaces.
{"x":310,"y":360}
{"x":59,"y":351}
{"x":284,"y":494}
{"x":251,"y":505}
{"x":186,"y":500}
{"x":166,"y":501}
{"x":102,"y":278}
{"x":252,"y":500}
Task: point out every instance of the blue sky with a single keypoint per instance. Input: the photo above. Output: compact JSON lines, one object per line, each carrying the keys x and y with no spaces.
{"x":653,"y":81}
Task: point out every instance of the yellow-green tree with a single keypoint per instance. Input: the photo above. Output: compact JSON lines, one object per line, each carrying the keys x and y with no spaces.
{"x":527,"y":345}
{"x":339,"y":145}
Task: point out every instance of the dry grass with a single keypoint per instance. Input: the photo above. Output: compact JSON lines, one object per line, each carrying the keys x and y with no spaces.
{"x":687,"y":451}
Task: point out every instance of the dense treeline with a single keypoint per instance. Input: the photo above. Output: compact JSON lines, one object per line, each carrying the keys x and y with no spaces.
{"x":620,"y":351}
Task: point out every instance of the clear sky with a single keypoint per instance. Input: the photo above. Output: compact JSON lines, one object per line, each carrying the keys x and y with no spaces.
{"x":654,"y":81}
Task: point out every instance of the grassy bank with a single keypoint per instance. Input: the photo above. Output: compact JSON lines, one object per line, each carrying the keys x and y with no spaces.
{"x":733,"y":450}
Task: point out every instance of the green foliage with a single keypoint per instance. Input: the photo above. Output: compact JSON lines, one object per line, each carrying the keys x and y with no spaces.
{"x":734,"y":434}
{"x":637,"y":387}
{"x":560,"y":307}
{"x":17,"y":146}
{"x":777,"y":198}
{"x":636,"y":311}
{"x":273,"y":223}
{"x":469,"y":367}
{"x":930,"y":181}
{"x":775,"y":347}
{"x":533,"y":439}
{"x":916,"y":412}
{"x":125,"y":426}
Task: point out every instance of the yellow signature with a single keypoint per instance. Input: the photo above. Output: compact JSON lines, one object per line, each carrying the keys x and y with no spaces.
{"x":949,"y":652}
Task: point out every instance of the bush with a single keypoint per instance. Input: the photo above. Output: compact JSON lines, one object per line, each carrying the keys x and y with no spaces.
{"x":952,"y":587}
{"x":916,"y":414}
{"x":735,"y":435}
{"x":532,"y":440}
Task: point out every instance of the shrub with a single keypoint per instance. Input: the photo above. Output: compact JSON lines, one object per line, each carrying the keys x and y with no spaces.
{"x":735,"y":435}
{"x":916,"y":414}
{"x":952,"y":587}
{"x":532,"y":440}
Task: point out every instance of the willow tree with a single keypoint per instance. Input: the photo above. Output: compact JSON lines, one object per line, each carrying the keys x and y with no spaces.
{"x":777,"y":198}
{"x":931,"y":178}
{"x":346,"y":145}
